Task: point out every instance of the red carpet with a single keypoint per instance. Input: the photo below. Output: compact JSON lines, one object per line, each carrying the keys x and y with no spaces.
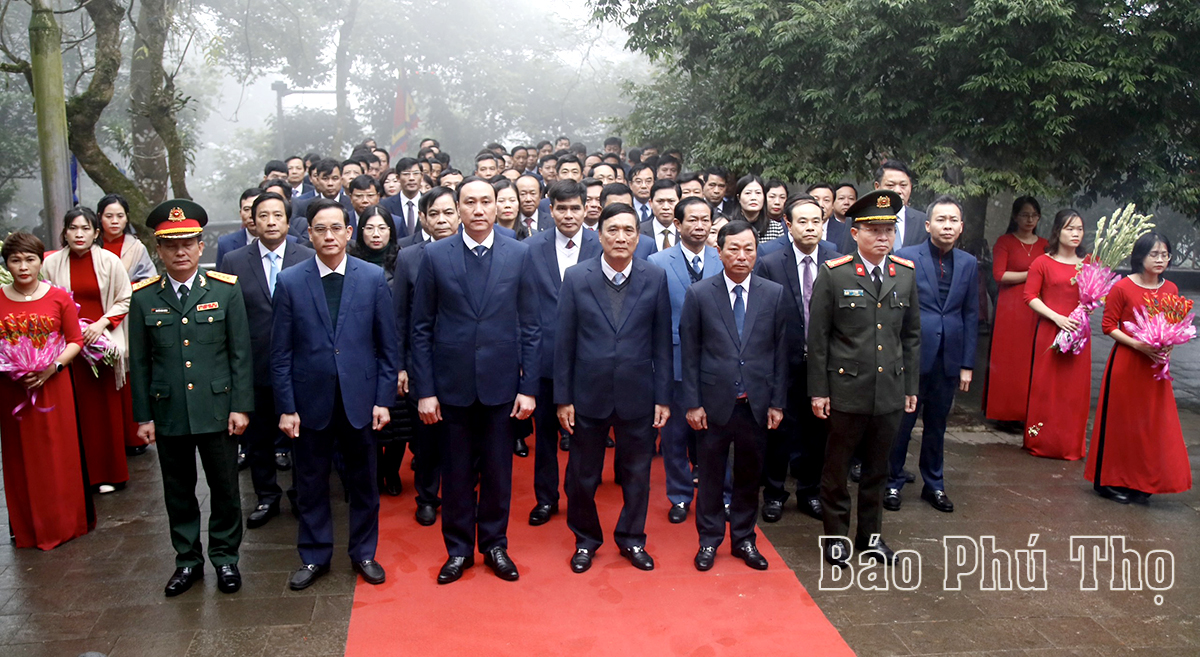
{"x":613,"y":609}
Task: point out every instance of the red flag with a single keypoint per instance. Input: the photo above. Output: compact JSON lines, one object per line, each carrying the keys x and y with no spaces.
{"x":404,"y":121}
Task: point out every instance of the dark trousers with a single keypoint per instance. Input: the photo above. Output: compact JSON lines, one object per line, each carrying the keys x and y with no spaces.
{"x":797,"y":445}
{"x":934,"y":402}
{"x":218,"y":454}
{"x":426,"y":447}
{"x":749,"y":441}
{"x":634,"y":452}
{"x":678,"y":439}
{"x":871,"y":436}
{"x":312,"y":461}
{"x":260,"y":440}
{"x":545,"y":451}
{"x":476,"y":477}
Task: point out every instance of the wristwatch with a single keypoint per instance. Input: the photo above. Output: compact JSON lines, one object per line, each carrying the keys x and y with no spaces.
{"x":58,"y":367}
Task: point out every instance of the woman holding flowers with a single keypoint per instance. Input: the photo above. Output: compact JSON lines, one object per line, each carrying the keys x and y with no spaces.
{"x":39,"y":441}
{"x":1061,"y":386}
{"x":101,"y":287}
{"x":1137,"y":444}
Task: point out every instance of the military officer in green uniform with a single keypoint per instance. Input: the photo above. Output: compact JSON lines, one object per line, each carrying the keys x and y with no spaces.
{"x":192,"y":378}
{"x":864,"y":341}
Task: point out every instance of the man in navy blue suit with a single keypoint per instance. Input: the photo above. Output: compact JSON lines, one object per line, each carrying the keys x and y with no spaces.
{"x":620,"y":193}
{"x":734,"y":345}
{"x":334,"y":365}
{"x":244,"y":235}
{"x":689,"y":261}
{"x":552,"y":253}
{"x":799,"y":442}
{"x":326,"y":176}
{"x":948,"y":294}
{"x":405,"y":204}
{"x":475,"y":300}
{"x":612,"y":371}
{"x":258,"y":265}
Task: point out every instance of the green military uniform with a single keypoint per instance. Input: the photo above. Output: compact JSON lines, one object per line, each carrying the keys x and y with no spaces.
{"x":864,"y":355}
{"x":190,"y":367}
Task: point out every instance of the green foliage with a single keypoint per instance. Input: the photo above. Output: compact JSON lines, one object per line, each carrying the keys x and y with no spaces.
{"x":981,"y":96}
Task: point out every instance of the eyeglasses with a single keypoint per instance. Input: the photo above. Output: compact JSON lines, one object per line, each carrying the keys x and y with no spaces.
{"x":1029,"y":215}
{"x":375,"y":229}
{"x":1159,"y":255}
{"x":336,"y":230}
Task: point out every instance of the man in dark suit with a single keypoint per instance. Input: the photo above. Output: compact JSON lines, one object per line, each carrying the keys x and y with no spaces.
{"x":334,"y":365}
{"x":689,"y":261}
{"x":799,"y":442}
{"x":326,"y":176}
{"x":258,"y":265}
{"x":620,"y":193}
{"x":439,"y":220}
{"x":297,"y":179}
{"x":660,"y":230}
{"x":612,"y":371}
{"x":405,"y":204}
{"x":832,"y":231}
{"x":475,"y":299}
{"x":864,"y":342}
{"x":734,"y":346}
{"x":948,"y":289}
{"x":529,"y":197}
{"x":230,"y":242}
{"x":551,"y":254}
{"x":895,"y":176}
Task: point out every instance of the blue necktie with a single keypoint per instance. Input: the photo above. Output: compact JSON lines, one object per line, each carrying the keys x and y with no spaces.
{"x":645,"y":213}
{"x":274,"y":273}
{"x":480,"y":250}
{"x":618,"y":278}
{"x":739,"y":309}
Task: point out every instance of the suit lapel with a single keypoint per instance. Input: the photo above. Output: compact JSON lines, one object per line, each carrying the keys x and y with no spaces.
{"x":317,"y":290}
{"x":679,"y":266}
{"x":927,"y":268}
{"x":499,"y":253}
{"x":793,"y":277}
{"x":589,"y":245}
{"x":199,"y":289}
{"x":457,"y":255}
{"x":960,"y":276}
{"x":550,"y":251}
{"x":721,"y":294}
{"x":889,"y":281}
{"x":348,"y":285}
{"x":864,"y":281}
{"x":712,"y":262}
{"x":753,"y":304}
{"x":637,"y":285}
{"x":167,"y":293}
{"x":597,"y":283}
{"x":256,"y":269}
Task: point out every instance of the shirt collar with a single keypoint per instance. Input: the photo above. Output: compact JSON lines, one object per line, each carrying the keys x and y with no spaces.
{"x":729,"y":284}
{"x":609,"y":272}
{"x":263,"y":250}
{"x":870,"y":267}
{"x":487,"y":241}
{"x":561,"y":240}
{"x":325,"y":271}
{"x":800,"y":255}
{"x":190,"y":283}
{"x":688,"y":255}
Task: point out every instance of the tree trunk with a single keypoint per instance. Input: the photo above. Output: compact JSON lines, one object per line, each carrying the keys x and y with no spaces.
{"x":342,"y":63}
{"x":145,"y":80}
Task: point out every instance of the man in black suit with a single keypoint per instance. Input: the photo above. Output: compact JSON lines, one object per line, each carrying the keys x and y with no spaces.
{"x":799,"y":442}
{"x":297,"y":179}
{"x":405,"y":204}
{"x":895,"y":175}
{"x":552,"y":253}
{"x":439,"y":220}
{"x":612,"y":371}
{"x":660,"y":229}
{"x":258,"y":265}
{"x":326,"y":176}
{"x":716,"y":184}
{"x":733,"y":342}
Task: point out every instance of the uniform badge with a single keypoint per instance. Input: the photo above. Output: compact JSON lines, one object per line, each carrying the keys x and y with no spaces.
{"x":883,"y":202}
{"x":852,"y":293}
{"x":161,"y":311}
{"x":891,"y":269}
{"x":859,"y":269}
{"x":208,"y":306}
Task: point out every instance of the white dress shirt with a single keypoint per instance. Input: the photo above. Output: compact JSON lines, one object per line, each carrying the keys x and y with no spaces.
{"x":689,"y":257}
{"x":899,"y":228}
{"x":266,"y":262}
{"x":176,"y":284}
{"x":609,"y":272}
{"x":729,"y":285}
{"x":487,"y":241}
{"x":871,"y":268}
{"x":638,"y":205}
{"x":658,"y":234}
{"x":325,"y":271}
{"x":567,"y":257}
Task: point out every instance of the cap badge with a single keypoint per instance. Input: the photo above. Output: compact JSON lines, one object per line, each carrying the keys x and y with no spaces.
{"x":176,"y":215}
{"x":883,"y":202}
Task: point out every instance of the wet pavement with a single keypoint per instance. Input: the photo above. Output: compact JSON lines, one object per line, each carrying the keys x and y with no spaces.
{"x":103,"y":592}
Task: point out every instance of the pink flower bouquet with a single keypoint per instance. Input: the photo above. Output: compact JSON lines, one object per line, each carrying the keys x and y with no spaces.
{"x":22,"y":354}
{"x":1165,"y":322}
{"x":1094,"y":281}
{"x":100,"y":352}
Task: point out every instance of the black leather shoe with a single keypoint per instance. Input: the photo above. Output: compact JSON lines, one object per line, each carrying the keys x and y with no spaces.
{"x":392,"y":486}
{"x":908,"y":476}
{"x":749,"y":553}
{"x":856,"y":472}
{"x":283,"y":461}
{"x":454,"y":568}
{"x":638,"y":557}
{"x":678,"y":513}
{"x":520,"y":448}
{"x":183,"y":579}
{"x":772,"y":511}
{"x":261,"y":514}
{"x":1110,"y":492}
{"x":609,"y":442}
{"x":879,"y":552}
{"x":306,"y":575}
{"x":837,"y":552}
{"x":229,"y":580}
{"x":371,"y":571}
{"x":136,"y":451}
{"x":242,"y":462}
{"x":891,"y":499}
{"x":938,"y":500}
{"x":541,"y":514}
{"x":497,"y":559}
{"x":564,"y":443}
{"x":811,"y":507}
{"x":581,"y":560}
{"x":1137,"y":496}
{"x":705,"y":558}
{"x":426,"y":514}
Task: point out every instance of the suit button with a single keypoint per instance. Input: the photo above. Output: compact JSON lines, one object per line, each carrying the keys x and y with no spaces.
{"x":879,"y":305}
{"x":851,"y":304}
{"x":879,"y":326}
{"x":187,"y":364}
{"x":158,"y":323}
{"x":185,"y":320}
{"x":880,"y":347}
{"x":841,"y":370}
{"x":190,"y":386}
{"x":881,"y":369}
{"x":741,"y":362}
{"x":337,"y":351}
{"x":210,"y":319}
{"x":187,"y":343}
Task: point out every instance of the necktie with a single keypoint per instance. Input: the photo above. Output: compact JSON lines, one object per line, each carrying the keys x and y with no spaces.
{"x":618,"y":278}
{"x":274,"y":273}
{"x":183,"y":292}
{"x":806,"y":287}
{"x":877,"y":279}
{"x":480,"y":250}
{"x":570,"y":244}
{"x":694,"y":271}
{"x":739,"y":309}
{"x":645,"y":213}
{"x":666,"y":244}
{"x":410,"y":218}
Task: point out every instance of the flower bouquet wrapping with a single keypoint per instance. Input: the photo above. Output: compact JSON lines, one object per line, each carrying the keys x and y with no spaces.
{"x":100,"y":352}
{"x":1165,"y":322}
{"x":28,"y":344}
{"x":1095,"y":277}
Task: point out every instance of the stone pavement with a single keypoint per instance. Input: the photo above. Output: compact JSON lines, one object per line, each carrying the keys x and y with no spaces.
{"x":103,"y":591}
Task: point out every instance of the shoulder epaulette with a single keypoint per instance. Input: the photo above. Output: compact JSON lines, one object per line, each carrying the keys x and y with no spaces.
{"x":143,"y":283}
{"x":222,"y":276}
{"x":901,"y":261}
{"x":837,"y":262}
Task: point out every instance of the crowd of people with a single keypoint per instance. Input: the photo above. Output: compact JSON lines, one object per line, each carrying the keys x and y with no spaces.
{"x":596,"y":302}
